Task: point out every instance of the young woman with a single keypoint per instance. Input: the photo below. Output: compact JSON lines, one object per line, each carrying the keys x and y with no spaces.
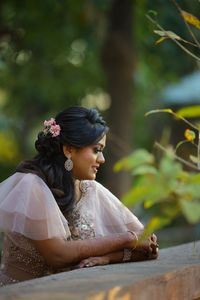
{"x":55,"y":216}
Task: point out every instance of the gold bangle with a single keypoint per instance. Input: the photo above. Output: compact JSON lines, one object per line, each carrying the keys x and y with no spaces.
{"x":136,"y":238}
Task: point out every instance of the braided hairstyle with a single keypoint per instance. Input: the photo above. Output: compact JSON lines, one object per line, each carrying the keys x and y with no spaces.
{"x":79,"y":127}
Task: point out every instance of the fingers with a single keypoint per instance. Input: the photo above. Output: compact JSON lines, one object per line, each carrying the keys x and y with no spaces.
{"x":149,"y":247}
{"x":86,"y":263}
{"x":93,"y":261}
{"x":153,"y":238}
{"x":154,"y":254}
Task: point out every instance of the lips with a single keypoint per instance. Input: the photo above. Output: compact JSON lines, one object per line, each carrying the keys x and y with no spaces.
{"x":95,"y":168}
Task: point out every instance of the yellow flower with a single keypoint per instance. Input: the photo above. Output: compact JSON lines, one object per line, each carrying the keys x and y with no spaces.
{"x":189,"y":135}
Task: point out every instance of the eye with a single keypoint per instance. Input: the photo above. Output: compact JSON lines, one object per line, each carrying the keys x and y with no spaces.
{"x":97,"y":150}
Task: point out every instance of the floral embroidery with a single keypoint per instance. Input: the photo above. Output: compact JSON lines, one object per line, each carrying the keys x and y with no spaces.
{"x":81,"y":222}
{"x":81,"y":226}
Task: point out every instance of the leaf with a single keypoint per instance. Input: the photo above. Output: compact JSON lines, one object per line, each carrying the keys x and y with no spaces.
{"x":156,"y":194}
{"x":135,"y":195}
{"x":191,"y":210}
{"x":166,"y":110}
{"x":153,"y":12}
{"x":194,"y":159}
{"x":138,"y":157}
{"x":160,"y":40}
{"x":168,"y":34}
{"x":143,"y":170}
{"x":169,"y":168}
{"x":190,"y":135}
{"x":171,"y":210}
{"x":190,"y":19}
{"x":189,"y":111}
{"x":195,"y":178}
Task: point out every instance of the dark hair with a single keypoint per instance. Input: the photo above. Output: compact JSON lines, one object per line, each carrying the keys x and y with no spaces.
{"x":79,"y":127}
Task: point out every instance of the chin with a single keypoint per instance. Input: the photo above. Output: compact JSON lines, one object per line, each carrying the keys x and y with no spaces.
{"x":87,"y":177}
{"x":91,"y":177}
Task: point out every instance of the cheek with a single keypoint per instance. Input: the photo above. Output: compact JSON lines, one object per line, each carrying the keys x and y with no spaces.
{"x":88,"y":158}
{"x":83,"y":167}
{"x":85,"y":158}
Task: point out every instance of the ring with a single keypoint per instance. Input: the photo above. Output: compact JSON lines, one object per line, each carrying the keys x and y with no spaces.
{"x":87,"y":265}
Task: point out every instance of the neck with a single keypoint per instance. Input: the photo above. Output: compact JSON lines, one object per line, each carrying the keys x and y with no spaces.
{"x":77,"y":190}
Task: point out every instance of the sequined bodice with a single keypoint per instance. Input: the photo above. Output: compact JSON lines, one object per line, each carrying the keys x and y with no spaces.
{"x":20,"y":254}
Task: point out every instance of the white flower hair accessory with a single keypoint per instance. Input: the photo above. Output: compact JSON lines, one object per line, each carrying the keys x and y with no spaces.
{"x":51,"y":127}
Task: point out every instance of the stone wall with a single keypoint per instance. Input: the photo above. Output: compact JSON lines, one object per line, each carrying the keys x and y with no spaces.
{"x":174,"y":275}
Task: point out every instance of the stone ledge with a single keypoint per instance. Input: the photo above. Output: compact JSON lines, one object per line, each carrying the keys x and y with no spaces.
{"x":175,"y":275}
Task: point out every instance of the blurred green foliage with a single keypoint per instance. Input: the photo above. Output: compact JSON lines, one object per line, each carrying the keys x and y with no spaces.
{"x":163,"y":187}
{"x":50,"y":58}
{"x":48,"y":54}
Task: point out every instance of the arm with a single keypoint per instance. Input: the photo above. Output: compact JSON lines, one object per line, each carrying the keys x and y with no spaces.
{"x":145,"y":250}
{"x":115,"y":257}
{"x":61,"y":253}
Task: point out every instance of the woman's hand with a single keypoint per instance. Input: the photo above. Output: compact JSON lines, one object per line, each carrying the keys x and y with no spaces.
{"x":149,"y":246}
{"x":94,"y":261}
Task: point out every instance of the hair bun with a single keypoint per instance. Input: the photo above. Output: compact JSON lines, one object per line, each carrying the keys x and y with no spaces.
{"x":94,"y":116}
{"x":46,"y":145}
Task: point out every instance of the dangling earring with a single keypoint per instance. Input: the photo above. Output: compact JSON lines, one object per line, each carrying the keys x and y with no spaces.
{"x":68,"y":164}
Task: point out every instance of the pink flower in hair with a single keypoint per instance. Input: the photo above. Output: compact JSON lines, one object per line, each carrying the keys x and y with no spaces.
{"x":52,"y":127}
{"x":55,"y":130}
{"x":49,"y":122}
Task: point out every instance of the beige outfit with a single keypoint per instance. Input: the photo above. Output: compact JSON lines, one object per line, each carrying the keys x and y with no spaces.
{"x":28,"y":211}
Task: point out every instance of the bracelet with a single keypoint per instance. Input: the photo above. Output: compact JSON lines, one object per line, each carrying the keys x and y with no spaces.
{"x":127,"y":255}
{"x":136,"y":238}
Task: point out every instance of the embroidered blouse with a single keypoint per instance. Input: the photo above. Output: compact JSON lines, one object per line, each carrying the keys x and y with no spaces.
{"x":29,"y":211}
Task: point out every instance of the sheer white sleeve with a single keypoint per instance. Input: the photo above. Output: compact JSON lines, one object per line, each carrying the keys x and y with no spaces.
{"x":28,"y":207}
{"x":109,"y":213}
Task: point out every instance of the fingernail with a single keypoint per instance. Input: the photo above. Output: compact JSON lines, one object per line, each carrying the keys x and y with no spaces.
{"x":87,"y":265}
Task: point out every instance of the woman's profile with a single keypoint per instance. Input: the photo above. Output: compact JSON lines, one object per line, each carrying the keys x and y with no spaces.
{"x":54,"y":214}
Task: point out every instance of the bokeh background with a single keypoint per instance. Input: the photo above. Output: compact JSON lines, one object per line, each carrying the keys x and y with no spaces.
{"x":95,"y":53}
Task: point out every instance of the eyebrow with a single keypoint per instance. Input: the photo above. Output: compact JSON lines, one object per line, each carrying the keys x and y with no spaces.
{"x":99,"y":144}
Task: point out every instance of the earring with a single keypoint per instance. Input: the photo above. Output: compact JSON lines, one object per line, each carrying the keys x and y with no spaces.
{"x":68,"y":164}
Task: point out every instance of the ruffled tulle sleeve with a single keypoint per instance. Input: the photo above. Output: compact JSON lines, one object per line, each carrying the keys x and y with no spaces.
{"x":28,"y":207}
{"x":110,"y":215}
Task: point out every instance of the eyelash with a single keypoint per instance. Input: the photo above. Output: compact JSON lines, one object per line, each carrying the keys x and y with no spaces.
{"x":96,"y":150}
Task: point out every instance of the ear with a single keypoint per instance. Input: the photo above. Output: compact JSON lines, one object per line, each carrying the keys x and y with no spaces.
{"x":67,"y":150}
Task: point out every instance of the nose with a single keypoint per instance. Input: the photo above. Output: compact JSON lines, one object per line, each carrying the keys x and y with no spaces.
{"x":100,"y":158}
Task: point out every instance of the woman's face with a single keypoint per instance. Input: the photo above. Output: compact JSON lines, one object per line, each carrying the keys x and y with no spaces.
{"x":87,"y":160}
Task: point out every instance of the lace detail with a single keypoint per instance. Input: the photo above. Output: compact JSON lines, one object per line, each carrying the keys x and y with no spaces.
{"x":83,"y":187}
{"x":80,"y":222}
{"x":81,"y":226}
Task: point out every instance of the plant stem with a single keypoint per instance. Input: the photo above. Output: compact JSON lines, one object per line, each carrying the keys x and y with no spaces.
{"x":198,"y":152}
{"x":188,"y":27}
{"x":183,"y":161}
{"x":173,"y":39}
